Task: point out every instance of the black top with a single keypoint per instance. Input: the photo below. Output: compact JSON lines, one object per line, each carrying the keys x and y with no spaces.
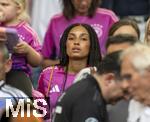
{"x":82,"y":102}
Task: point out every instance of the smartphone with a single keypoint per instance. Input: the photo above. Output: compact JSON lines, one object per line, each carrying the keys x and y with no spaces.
{"x":10,"y":37}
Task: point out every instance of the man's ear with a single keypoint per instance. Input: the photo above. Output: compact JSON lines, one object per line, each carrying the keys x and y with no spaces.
{"x":109,"y":78}
{"x":8,"y":65}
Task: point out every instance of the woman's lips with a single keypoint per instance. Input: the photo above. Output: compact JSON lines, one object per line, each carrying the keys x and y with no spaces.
{"x":76,"y":49}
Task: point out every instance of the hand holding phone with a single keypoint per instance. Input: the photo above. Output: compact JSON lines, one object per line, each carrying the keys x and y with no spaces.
{"x":10,"y":37}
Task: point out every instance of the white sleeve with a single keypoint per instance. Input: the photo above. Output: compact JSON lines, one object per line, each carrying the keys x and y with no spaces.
{"x":83,"y":73}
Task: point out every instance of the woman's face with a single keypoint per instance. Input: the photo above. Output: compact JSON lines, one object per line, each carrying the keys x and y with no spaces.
{"x":78,"y":43}
{"x":81,"y":6}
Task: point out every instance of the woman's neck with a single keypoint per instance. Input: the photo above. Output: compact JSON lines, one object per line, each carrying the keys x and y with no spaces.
{"x":76,"y":65}
{"x":82,"y":14}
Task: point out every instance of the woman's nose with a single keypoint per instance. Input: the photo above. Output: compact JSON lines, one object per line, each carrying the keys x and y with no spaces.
{"x":76,"y":42}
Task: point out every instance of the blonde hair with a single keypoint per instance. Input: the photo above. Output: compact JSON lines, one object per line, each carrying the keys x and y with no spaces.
{"x":146,"y":31}
{"x":24,"y":16}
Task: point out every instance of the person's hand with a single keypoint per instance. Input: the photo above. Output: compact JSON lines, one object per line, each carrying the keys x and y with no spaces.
{"x":22,"y":48}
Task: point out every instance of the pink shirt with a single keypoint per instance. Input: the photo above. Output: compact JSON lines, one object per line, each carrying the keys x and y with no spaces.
{"x":101,"y":22}
{"x":57,"y":83}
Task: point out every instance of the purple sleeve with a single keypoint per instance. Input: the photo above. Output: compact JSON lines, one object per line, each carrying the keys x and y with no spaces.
{"x":48,"y":44}
{"x":35,"y":44}
{"x":31,"y":37}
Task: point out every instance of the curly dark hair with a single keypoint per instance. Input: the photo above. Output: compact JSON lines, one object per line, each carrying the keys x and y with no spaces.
{"x":69,"y":10}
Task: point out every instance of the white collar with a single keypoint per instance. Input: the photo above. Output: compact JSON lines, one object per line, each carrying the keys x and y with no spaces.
{"x":2,"y":82}
{"x":138,"y":111}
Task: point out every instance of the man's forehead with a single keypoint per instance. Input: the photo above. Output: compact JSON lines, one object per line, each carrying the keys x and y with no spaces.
{"x":126,"y":65}
{"x":126,"y":58}
{"x":125,"y":61}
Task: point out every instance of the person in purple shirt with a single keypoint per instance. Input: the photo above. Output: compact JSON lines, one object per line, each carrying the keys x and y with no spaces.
{"x":76,"y":11}
{"x":13,"y":14}
{"x":27,"y":52}
{"x":79,"y":49}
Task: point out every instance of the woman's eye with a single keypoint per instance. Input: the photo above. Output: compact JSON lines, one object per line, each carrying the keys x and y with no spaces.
{"x":70,"y":38}
{"x":84,"y":39}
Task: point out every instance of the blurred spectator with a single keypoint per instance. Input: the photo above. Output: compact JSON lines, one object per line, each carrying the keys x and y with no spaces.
{"x":119,"y":111}
{"x":126,"y":33}
{"x":6,"y":91}
{"x":135,"y":71}
{"x":27,"y":50}
{"x":125,"y":26}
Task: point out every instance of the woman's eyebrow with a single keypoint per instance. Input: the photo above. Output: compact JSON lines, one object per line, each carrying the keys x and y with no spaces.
{"x":82,"y":34}
{"x":71,"y":34}
{"x":85,"y":34}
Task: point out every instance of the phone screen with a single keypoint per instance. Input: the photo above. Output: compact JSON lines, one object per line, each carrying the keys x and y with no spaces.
{"x":10,"y":37}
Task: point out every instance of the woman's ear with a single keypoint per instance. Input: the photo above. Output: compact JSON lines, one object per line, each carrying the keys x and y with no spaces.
{"x":8,"y":65}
